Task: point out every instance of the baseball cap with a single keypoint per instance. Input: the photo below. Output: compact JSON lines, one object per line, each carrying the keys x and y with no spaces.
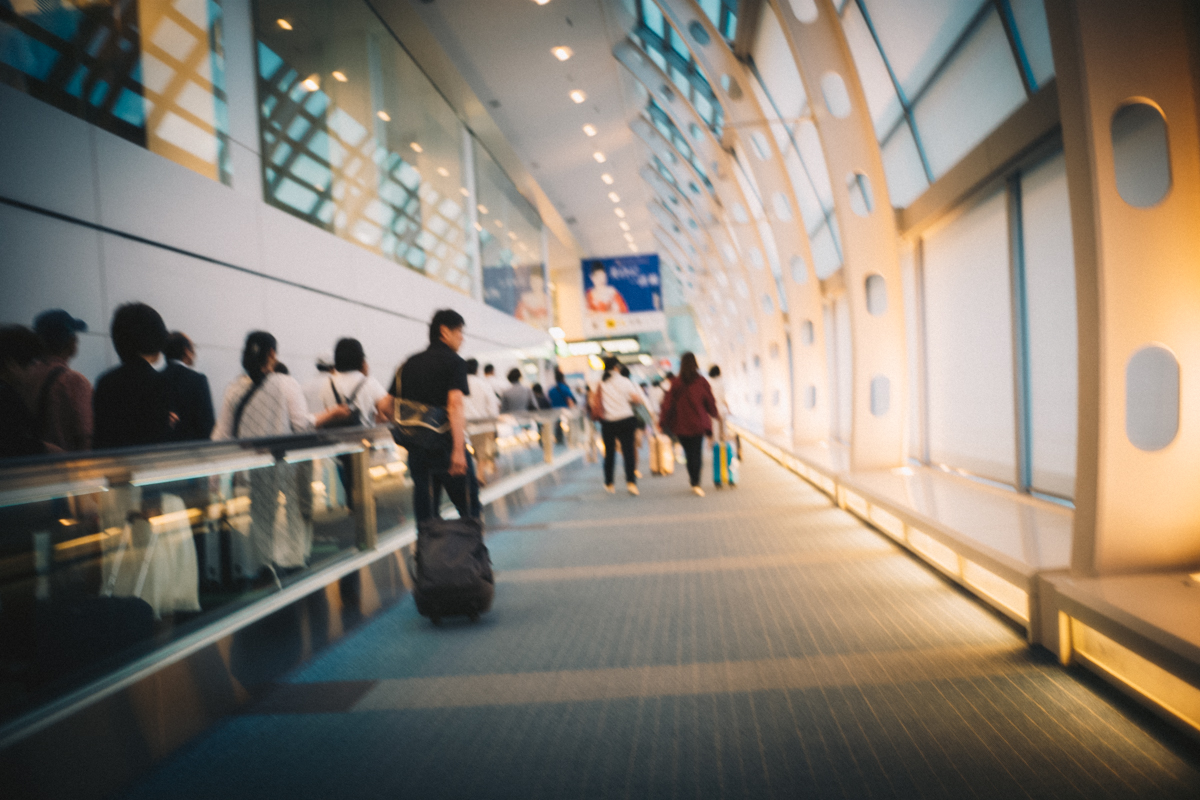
{"x":56,"y":327}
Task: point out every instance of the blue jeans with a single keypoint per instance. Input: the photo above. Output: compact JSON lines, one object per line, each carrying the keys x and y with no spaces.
{"x":430,"y":474}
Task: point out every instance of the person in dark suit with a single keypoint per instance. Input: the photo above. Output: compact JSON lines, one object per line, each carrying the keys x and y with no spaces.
{"x":130,"y":404}
{"x":188,"y":390}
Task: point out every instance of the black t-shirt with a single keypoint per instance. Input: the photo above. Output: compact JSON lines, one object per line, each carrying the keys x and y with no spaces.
{"x":131,"y":407}
{"x":429,"y":376}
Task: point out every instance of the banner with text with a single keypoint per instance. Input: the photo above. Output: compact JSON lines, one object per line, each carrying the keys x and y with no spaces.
{"x":622,"y":295}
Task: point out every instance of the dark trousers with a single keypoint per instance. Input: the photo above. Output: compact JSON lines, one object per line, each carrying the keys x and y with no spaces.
{"x":430,"y":474}
{"x":693,"y":451}
{"x":621,"y":430}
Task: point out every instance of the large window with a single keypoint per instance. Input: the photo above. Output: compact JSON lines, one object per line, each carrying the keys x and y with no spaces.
{"x":355,"y":138}
{"x":667,"y":49}
{"x":150,"y":71}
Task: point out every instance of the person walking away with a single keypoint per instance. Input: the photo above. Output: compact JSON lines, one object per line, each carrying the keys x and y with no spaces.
{"x":518,"y":396}
{"x":313,"y":386}
{"x":20,"y":350}
{"x":481,"y":406}
{"x":60,"y":397}
{"x":131,"y":405}
{"x":188,"y":391}
{"x":560,"y":393}
{"x":718,"y":389}
{"x":688,"y":411}
{"x":437,"y":376}
{"x":618,"y":396}
{"x":539,"y":397}
{"x":260,"y":403}
{"x":499,"y":385}
{"x":350,"y":384}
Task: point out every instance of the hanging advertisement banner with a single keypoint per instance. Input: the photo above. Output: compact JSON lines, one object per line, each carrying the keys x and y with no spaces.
{"x":622,"y":295}
{"x":519,"y":290}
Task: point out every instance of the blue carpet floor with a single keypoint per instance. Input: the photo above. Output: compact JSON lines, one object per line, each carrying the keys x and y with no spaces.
{"x":753,"y":643}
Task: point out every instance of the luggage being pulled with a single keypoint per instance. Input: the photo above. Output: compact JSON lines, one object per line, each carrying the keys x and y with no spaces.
{"x":453,"y":570}
{"x":726,"y":466}
{"x":662,"y":455}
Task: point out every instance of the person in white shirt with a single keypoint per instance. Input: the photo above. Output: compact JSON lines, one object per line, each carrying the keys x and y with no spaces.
{"x":618,"y":396}
{"x":351,"y":384}
{"x":718,"y":390}
{"x":481,"y":404}
{"x":497,"y":382}
{"x":312,"y":388}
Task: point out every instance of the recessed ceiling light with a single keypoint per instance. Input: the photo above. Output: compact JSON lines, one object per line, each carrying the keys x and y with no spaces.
{"x":600,"y":159}
{"x":633,"y":248}
{"x":607,"y":178}
{"x":339,"y":76}
{"x":283,"y":23}
{"x":629,"y":238}
{"x":590,"y":130}
{"x":620,"y":212}
{"x":512,"y":236}
{"x":578,"y":95}
{"x":478,"y":227}
{"x":499,"y":224}
{"x":445,"y":173}
{"x":482,"y":208}
{"x":383,"y":115}
{"x":311,"y":83}
{"x":562,"y":53}
{"x":616,"y":198}
{"x":541,"y":2}
{"x":416,"y":147}
{"x":623,"y":225}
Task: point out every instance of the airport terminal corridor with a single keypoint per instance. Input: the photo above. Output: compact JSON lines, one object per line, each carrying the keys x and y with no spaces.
{"x":758,"y":642}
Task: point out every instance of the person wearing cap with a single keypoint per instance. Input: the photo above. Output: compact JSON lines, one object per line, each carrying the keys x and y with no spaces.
{"x":60,"y":397}
{"x":191,"y":399}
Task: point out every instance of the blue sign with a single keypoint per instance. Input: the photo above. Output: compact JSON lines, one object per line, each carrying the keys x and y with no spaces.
{"x":623,"y":293}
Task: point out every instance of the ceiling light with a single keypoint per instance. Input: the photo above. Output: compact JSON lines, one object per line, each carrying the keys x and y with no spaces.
{"x":607,"y":178}
{"x":339,"y":76}
{"x":623,"y":225}
{"x":416,"y":147}
{"x":445,"y":173}
{"x":512,"y":236}
{"x":482,"y":208}
{"x":383,"y":115}
{"x":541,"y":2}
{"x":590,"y":130}
{"x":283,"y":23}
{"x":620,"y":212}
{"x":633,"y":248}
{"x":499,"y":224}
{"x":616,"y":198}
{"x":629,"y":238}
{"x":600,"y":159}
{"x":578,"y":96}
{"x":463,"y":191}
{"x":478,"y":227}
{"x":311,"y":83}
{"x":562,"y":53}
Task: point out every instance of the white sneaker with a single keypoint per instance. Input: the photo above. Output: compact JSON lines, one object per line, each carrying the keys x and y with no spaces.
{"x":632,"y":487}
{"x":608,"y":487}
{"x":696,"y":490}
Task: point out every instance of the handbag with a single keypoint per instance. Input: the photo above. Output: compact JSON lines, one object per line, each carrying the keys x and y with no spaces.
{"x":419,"y":426}
{"x":355,"y":419}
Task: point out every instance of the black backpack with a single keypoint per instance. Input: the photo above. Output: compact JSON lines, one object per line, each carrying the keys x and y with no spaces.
{"x":355,"y":417}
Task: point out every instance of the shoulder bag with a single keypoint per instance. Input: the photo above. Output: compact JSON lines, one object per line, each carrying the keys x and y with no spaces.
{"x":418,"y":426}
{"x":355,"y":418}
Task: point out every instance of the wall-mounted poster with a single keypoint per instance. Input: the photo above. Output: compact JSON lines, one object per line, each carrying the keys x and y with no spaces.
{"x":519,"y":290}
{"x":622,"y":295}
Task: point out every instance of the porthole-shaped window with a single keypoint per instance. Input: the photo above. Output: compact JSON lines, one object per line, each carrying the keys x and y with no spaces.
{"x":807,"y":334}
{"x":881,"y":395}
{"x":667,"y":93}
{"x":751,"y":325}
{"x":693,"y":188}
{"x":773,"y":350}
{"x":739,"y":214}
{"x":1141,"y":159}
{"x":756,"y":258}
{"x":805,"y":10}
{"x":762,"y":148}
{"x":757,"y":362}
{"x":775,"y":397}
{"x":877,"y":302}
{"x":731,"y":87}
{"x":837,"y":99}
{"x":692,"y":223}
{"x":783,"y":209}
{"x":1152,"y":398}
{"x":799,"y":270}
{"x":862,"y":199}
{"x":768,"y":306}
{"x":728,"y":252}
{"x":810,"y":396}
{"x":742,"y":289}
{"x":699,"y":34}
{"x":696,"y":131}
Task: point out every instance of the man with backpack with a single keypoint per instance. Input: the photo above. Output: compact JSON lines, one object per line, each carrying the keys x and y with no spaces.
{"x":60,"y":396}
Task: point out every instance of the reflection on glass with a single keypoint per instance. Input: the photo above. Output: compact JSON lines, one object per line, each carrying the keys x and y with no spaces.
{"x":150,"y":71}
{"x":356,"y":140}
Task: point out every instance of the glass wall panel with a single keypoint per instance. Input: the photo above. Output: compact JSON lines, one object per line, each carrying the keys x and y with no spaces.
{"x":150,"y":71}
{"x":510,"y":242}
{"x":773,"y":58}
{"x":917,"y":34}
{"x":978,"y":89}
{"x":356,"y":139}
{"x":885,"y":107}
{"x":1050,"y":304}
{"x":902,"y":166}
{"x":825,"y":255}
{"x":1035,"y":37}
{"x":968,"y":324}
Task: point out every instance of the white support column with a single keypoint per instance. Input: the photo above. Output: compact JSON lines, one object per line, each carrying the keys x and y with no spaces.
{"x":472,"y":202}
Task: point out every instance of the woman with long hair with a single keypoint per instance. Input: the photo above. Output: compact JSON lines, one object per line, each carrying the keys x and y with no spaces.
{"x":688,"y":411}
{"x":618,"y":396}
{"x":263,"y":402}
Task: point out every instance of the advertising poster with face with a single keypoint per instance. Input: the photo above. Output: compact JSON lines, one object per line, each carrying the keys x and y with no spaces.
{"x":622,"y":295}
{"x":519,"y":290}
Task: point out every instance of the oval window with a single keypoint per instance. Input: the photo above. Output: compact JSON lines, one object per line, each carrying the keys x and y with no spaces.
{"x":877,"y":302}
{"x":799,"y":270}
{"x":862,"y":199}
{"x":805,"y":10}
{"x":806,"y":332}
{"x":739,"y":214}
{"x":767,"y":306}
{"x":837,"y":99}
{"x":783,"y":209}
{"x":756,"y":259}
{"x":731,"y":87}
{"x":1152,"y":398}
{"x":762,"y":148}
{"x":1141,"y":159}
{"x":695,"y":131}
{"x":810,"y":396}
{"x":742,"y":288}
{"x":881,"y":395}
{"x":699,"y":34}
{"x":730,"y":256}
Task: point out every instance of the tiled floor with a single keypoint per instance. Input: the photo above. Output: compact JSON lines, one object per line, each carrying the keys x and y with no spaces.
{"x":753,"y":643}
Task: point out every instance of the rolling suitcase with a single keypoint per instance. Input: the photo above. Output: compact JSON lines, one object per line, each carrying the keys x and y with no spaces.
{"x":453,"y":570}
{"x":725,"y":464}
{"x":662,"y":455}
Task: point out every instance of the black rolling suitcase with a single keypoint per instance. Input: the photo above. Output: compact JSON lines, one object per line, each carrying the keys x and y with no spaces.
{"x":453,"y":569}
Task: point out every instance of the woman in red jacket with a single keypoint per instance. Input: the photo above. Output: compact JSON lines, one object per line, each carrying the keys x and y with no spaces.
{"x":688,"y":411}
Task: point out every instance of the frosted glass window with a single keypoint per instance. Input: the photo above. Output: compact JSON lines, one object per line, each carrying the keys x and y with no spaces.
{"x":1141,"y":160}
{"x":1035,"y":37}
{"x":773,"y":57}
{"x":976,"y":92}
{"x":877,"y":299}
{"x":837,"y":99}
{"x":917,"y":34}
{"x":881,"y":396}
{"x":1050,"y":306}
{"x":799,"y":269}
{"x":825,"y":257}
{"x":902,"y":167}
{"x":872,"y":72}
{"x":806,"y":196}
{"x":809,"y":143}
{"x":805,"y":10}
{"x":862,"y":198}
{"x":845,"y":369}
{"x":1152,"y":398}
{"x":968,"y":323}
